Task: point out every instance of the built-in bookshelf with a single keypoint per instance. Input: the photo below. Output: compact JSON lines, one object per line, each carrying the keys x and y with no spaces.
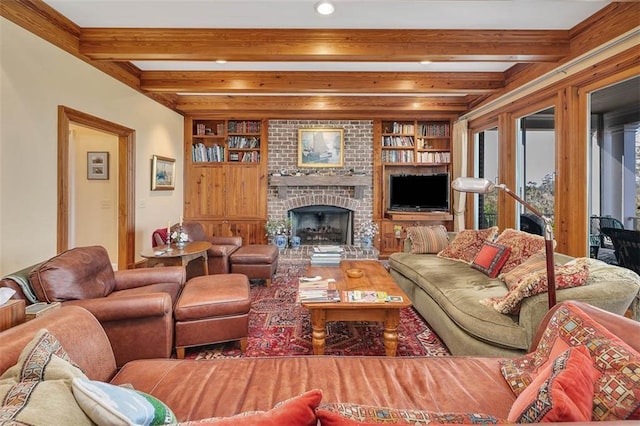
{"x":220,"y":141}
{"x":416,"y":142}
{"x":408,"y":147}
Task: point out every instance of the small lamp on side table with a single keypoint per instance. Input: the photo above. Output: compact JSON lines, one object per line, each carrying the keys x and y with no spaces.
{"x":485,"y":186}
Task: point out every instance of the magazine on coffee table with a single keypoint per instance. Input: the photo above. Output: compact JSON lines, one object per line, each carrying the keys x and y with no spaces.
{"x":322,"y":290}
{"x":366,"y":296}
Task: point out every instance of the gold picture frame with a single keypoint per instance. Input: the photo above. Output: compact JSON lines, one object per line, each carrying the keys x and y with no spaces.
{"x":320,"y":147}
{"x":163,"y":173}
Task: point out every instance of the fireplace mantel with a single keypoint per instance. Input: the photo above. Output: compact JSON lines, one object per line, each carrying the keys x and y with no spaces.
{"x":359,"y":183}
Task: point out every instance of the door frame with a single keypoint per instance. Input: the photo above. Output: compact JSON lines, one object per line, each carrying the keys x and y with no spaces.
{"x":125,"y":172}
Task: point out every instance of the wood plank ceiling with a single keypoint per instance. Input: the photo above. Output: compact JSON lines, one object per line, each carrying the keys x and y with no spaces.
{"x":340,"y":93}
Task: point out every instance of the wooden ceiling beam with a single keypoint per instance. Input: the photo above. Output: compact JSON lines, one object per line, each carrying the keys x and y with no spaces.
{"x":352,"y":106}
{"x":352,"y":45}
{"x":320,"y":82}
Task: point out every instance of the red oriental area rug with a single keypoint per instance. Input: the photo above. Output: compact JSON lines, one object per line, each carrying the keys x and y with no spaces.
{"x":278,"y":326}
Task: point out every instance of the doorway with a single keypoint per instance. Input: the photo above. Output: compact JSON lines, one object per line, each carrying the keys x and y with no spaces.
{"x":123,"y":167}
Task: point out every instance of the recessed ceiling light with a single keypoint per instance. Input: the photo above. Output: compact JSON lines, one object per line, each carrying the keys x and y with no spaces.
{"x":325,"y":7}
{"x":221,"y":61}
{"x":425,"y":62}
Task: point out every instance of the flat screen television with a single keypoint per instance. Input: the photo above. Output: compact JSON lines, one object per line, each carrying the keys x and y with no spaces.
{"x":428,"y":192}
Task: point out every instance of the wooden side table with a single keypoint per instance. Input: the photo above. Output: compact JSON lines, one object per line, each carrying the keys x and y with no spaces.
{"x":12,"y":313}
{"x":193,"y":250}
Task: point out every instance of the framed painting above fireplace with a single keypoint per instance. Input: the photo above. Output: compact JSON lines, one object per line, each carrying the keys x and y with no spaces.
{"x":320,"y":147}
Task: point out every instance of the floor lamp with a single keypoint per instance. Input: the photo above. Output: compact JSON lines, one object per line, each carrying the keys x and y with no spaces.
{"x":484,"y":186}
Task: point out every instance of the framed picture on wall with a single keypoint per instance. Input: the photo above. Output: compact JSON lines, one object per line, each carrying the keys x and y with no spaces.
{"x":320,"y":147}
{"x":98,"y":165}
{"x":163,"y":173}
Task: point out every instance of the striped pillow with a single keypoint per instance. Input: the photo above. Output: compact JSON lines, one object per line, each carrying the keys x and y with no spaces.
{"x":427,"y":239}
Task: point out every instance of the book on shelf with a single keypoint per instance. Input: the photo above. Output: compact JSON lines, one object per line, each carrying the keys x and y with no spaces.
{"x":318,"y":291}
{"x":366,"y":296}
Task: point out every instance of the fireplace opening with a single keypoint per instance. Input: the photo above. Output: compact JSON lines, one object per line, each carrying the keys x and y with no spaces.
{"x":321,"y":225}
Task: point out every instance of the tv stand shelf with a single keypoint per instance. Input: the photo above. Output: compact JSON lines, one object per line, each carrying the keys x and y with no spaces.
{"x":418,"y":216}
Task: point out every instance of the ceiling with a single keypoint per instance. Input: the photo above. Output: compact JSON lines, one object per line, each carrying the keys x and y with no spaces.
{"x":284,"y":49}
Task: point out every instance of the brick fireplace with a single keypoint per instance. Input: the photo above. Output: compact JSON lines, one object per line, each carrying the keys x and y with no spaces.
{"x":348,"y":188}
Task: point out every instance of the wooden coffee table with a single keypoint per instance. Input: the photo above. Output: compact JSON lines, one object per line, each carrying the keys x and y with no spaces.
{"x":375,"y":278}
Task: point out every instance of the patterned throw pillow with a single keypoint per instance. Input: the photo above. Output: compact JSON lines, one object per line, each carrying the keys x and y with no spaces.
{"x":299,"y":410}
{"x":467,"y":243}
{"x":427,"y":239}
{"x":345,"y":414}
{"x":491,"y":258}
{"x":523,"y":245}
{"x":562,"y":392}
{"x":110,"y":405}
{"x":616,"y":394}
{"x":536,"y":263}
{"x":37,"y":390}
{"x":570,"y":275}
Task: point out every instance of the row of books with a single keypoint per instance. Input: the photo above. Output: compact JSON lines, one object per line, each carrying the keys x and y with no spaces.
{"x":246,"y":157}
{"x":397,"y":156}
{"x":397,"y":141}
{"x":434,"y":130}
{"x":244,"y":126}
{"x":434,"y":157}
{"x":202,"y":153}
{"x":243,"y":142}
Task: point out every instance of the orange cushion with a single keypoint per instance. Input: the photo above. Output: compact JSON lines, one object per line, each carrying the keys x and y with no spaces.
{"x":299,"y":410}
{"x":491,"y":258}
{"x":562,"y":392}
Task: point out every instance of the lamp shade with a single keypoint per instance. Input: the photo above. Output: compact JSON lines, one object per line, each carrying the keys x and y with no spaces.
{"x":475,"y":185}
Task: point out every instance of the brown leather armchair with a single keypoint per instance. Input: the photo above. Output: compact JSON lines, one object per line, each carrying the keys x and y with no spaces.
{"x":218,"y":254}
{"x":135,"y":306}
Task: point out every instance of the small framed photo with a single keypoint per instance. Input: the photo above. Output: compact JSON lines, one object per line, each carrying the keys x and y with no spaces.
{"x":98,"y":165}
{"x":163,"y":173}
{"x":320,"y":147}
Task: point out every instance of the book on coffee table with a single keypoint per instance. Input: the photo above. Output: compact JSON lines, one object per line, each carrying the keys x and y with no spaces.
{"x":366,"y":296}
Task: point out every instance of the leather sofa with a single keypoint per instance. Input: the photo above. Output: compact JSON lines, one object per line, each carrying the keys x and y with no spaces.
{"x":447,"y":292}
{"x":224,"y":387}
{"x":134,"y":306}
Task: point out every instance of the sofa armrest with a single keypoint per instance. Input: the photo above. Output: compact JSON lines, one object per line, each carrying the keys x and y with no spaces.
{"x":126,"y":307}
{"x":132,"y":278}
{"x":227,"y":241}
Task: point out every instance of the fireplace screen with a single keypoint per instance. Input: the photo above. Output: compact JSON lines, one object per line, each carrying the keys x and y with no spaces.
{"x":321,"y":224}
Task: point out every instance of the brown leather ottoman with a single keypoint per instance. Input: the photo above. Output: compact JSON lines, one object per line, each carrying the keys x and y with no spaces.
{"x":212,"y":309}
{"x":255,"y":261}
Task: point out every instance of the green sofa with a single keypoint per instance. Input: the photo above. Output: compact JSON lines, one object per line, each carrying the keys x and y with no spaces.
{"x":447,"y":294}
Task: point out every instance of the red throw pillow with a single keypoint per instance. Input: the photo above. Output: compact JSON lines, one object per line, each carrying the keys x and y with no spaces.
{"x":299,"y":411}
{"x":616,"y":392}
{"x":491,"y":258}
{"x":562,"y":392}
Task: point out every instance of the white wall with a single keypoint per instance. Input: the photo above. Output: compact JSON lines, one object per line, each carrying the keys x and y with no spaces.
{"x":36,"y":77}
